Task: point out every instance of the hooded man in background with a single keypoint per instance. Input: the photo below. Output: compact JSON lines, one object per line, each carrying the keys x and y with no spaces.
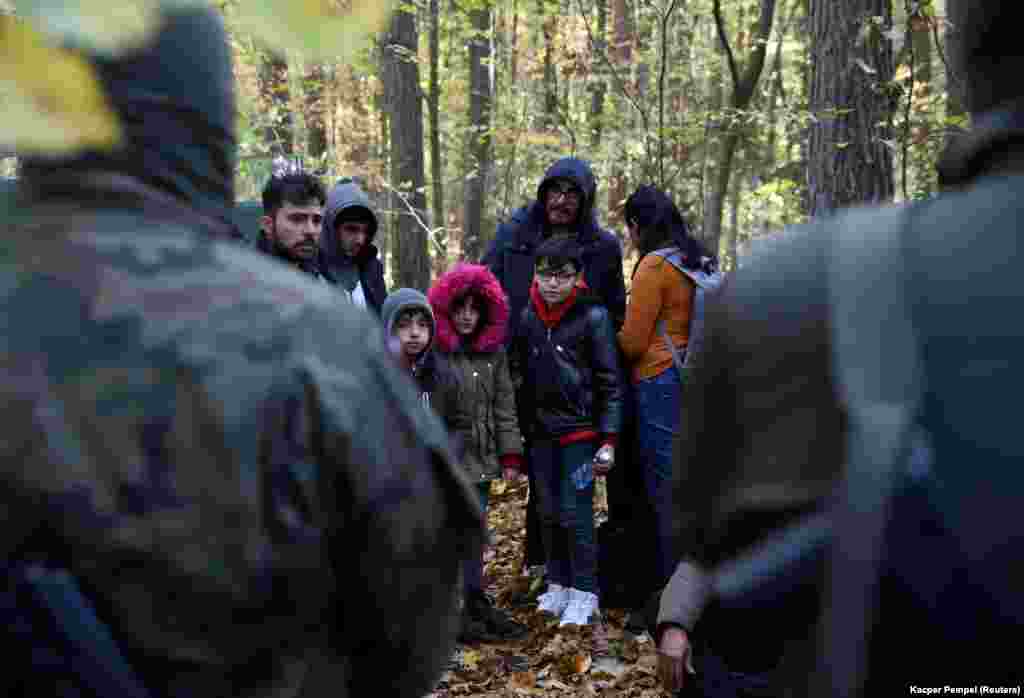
{"x":214,"y":482}
{"x":348,"y":258}
{"x":565,"y":207}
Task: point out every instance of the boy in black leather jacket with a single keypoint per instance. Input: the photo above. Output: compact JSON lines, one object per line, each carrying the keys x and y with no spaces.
{"x":565,"y":351}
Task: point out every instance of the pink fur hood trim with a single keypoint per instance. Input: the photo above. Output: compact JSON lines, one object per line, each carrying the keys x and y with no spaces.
{"x":455,"y":283}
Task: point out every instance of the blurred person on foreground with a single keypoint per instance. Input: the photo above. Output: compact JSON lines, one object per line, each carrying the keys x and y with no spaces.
{"x":565,"y":207}
{"x":214,"y":481}
{"x":858,"y":398}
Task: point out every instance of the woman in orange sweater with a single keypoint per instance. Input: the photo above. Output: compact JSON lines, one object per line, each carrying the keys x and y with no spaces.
{"x":659,"y":292}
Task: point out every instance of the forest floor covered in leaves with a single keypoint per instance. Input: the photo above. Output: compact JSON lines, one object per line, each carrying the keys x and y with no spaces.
{"x":599,"y":660}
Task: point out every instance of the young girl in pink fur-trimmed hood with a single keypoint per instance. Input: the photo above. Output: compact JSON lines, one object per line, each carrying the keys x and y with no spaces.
{"x":471,"y":316}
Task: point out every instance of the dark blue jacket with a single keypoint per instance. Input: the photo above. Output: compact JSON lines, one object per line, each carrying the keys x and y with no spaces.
{"x":510,"y":256}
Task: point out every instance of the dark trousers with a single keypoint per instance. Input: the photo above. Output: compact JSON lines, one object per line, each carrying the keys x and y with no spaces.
{"x":534,"y":553}
{"x":715,"y":679}
{"x":566,"y":514}
{"x":473,"y":569}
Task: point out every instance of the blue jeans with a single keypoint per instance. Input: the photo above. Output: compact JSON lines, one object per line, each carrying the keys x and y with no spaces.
{"x":566,"y":514}
{"x":658,"y":420}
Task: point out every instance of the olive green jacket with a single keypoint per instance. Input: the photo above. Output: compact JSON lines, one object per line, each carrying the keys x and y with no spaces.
{"x":484,"y":426}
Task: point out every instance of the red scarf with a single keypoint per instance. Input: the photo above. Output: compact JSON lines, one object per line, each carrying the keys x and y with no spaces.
{"x":552,"y":315}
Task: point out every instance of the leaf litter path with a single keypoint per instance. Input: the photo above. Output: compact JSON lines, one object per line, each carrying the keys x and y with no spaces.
{"x":599,"y":660}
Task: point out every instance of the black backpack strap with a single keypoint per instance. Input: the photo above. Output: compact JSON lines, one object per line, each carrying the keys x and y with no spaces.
{"x":878,"y":375}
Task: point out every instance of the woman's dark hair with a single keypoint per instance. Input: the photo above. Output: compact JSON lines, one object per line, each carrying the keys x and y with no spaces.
{"x":662,"y":225}
{"x":478,"y":303}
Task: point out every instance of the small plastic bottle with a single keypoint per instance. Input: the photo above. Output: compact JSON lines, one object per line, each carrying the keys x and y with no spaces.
{"x":583,"y":475}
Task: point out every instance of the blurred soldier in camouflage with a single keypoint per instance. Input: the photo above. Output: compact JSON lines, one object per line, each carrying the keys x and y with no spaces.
{"x":222,"y":461}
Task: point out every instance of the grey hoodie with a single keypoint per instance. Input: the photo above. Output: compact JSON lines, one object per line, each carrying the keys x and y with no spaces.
{"x":337,"y":267}
{"x":343,"y":197}
{"x":405,"y":299}
{"x":432,"y":374}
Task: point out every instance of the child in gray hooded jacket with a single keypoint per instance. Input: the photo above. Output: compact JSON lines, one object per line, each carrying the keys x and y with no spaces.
{"x":410,"y":327}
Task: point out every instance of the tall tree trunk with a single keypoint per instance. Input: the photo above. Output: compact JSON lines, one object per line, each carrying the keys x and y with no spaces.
{"x":438,"y":221}
{"x":479,"y":144}
{"x":801,"y":134}
{"x":713,"y":122}
{"x":598,"y":86}
{"x":622,"y":55}
{"x":354,"y":149}
{"x":852,"y":67}
{"x":513,"y":70}
{"x":314,"y":84}
{"x":924,"y":172}
{"x":382,"y":104}
{"x":405,"y":111}
{"x":776,"y":95}
{"x":642,"y":35}
{"x":275,"y":101}
{"x":956,"y":99}
{"x":743,"y":87}
{"x":680,"y":91}
{"x":731,"y":243}
{"x":550,"y":26}
{"x":622,"y":22}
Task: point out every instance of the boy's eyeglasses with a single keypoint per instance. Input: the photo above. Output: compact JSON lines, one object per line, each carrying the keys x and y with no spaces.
{"x":559,"y":276}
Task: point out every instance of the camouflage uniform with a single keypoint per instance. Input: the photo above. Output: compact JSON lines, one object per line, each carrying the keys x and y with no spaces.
{"x":223,"y":457}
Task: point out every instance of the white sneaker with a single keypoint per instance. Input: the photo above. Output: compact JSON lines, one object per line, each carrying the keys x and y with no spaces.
{"x":582,"y":607}
{"x":554,"y":600}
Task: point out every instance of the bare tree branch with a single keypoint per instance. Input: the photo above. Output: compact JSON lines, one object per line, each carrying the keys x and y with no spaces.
{"x":412,"y":210}
{"x":745,"y":90}
{"x":720,"y":25}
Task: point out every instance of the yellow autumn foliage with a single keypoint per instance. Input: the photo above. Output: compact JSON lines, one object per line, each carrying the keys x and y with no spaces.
{"x":52,"y":100}
{"x":315,"y":29}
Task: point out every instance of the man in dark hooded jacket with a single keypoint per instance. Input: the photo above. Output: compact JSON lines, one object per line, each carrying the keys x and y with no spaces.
{"x":210,"y":473}
{"x":348,"y":257}
{"x":565,"y":205}
{"x":777,"y":406}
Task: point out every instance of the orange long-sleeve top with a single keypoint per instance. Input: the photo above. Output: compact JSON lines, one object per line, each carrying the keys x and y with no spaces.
{"x":658,"y":291}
